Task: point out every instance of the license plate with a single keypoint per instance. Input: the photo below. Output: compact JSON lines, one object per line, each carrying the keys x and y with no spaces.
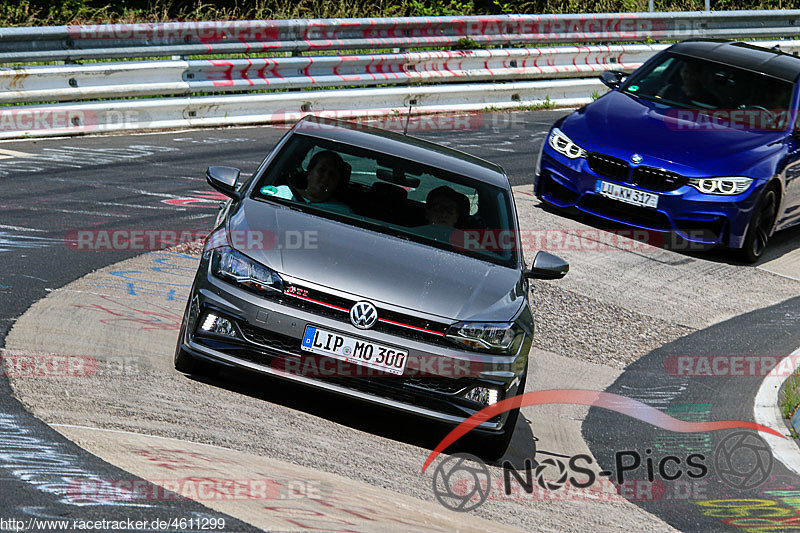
{"x":626,"y":194}
{"x":352,"y":350}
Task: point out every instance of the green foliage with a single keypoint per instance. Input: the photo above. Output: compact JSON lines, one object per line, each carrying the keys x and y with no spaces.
{"x":789,"y":398}
{"x":466,"y":43}
{"x":47,"y":12}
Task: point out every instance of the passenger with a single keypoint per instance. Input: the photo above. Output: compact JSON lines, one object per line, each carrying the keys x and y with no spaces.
{"x":444,"y":208}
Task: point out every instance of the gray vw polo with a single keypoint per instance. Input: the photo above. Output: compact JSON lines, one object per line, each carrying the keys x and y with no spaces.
{"x":374,"y":265}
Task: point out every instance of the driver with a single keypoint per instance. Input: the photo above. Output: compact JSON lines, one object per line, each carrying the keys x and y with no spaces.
{"x":327,"y":173}
{"x":691,"y":89}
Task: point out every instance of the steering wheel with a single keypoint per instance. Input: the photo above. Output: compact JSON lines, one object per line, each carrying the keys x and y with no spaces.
{"x":761,"y":108}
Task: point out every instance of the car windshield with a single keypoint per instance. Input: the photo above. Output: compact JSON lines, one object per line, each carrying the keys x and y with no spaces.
{"x":727,"y":93}
{"x":393,"y":195}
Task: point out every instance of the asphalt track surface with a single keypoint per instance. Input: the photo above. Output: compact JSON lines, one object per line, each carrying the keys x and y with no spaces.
{"x":767,"y":332}
{"x":51,"y":187}
{"x":156,"y":181}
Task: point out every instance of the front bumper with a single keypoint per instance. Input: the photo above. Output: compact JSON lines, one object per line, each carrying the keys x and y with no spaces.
{"x":698,"y":218}
{"x":270,"y":332}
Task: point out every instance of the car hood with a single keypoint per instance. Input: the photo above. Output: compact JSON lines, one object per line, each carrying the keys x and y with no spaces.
{"x":378,"y":267}
{"x":628,"y":125}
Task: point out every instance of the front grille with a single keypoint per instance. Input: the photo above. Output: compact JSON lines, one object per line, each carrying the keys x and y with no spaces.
{"x":439,"y":393}
{"x":269,"y":339}
{"x":291,"y":345}
{"x":658,"y":179}
{"x":314,"y":301}
{"x":609,"y":167}
{"x":443,"y":385}
{"x":632,"y":214}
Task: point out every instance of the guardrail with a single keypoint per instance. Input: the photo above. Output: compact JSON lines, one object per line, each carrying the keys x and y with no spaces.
{"x":112,"y":41}
{"x":275,"y":81}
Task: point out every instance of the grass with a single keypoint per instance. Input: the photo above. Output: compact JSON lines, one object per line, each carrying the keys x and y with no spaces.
{"x":46,"y":12}
{"x":789,"y":398}
{"x":544,"y":104}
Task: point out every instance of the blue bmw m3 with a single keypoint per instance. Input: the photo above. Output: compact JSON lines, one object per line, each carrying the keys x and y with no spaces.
{"x":702,"y":141}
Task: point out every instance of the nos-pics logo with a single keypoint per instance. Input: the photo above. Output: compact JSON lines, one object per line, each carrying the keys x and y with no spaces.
{"x":742,"y":460}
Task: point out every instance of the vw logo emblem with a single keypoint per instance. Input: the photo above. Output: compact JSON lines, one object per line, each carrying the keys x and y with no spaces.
{"x":636,"y":158}
{"x":363,"y":315}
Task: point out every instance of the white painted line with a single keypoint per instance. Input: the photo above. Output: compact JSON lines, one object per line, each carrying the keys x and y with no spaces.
{"x":10,"y":154}
{"x":137,"y":206}
{"x":767,"y":413}
{"x":20,"y":228}
{"x":778,"y":273}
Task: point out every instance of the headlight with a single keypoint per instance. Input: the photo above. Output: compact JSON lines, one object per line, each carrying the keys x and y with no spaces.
{"x":725,"y":186}
{"x":487,"y":336}
{"x":564,"y":145}
{"x":227,"y":263}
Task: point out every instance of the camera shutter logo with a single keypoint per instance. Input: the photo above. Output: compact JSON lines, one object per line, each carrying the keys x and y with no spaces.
{"x":363,"y":315}
{"x":560,"y":479}
{"x":461,"y":482}
{"x":743,"y":460}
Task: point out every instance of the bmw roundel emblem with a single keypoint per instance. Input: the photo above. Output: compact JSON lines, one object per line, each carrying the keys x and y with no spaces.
{"x":363,"y":315}
{"x":636,"y":158}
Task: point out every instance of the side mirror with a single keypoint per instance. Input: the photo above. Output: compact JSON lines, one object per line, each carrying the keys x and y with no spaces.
{"x":547,"y":266}
{"x":612,"y":78}
{"x":224,"y":179}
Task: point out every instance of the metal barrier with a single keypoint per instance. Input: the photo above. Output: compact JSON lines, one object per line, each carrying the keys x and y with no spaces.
{"x":274,"y":81}
{"x":111,"y":41}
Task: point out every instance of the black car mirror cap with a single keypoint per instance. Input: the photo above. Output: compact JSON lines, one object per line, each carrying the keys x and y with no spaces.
{"x":612,"y":78}
{"x":547,"y":266}
{"x":225,"y":180}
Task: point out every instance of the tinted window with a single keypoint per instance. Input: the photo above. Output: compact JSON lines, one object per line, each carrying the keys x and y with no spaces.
{"x":392,"y":195}
{"x":739,"y":95}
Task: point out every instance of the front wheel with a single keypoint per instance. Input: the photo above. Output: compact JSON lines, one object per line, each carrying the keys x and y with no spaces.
{"x":755,"y":241}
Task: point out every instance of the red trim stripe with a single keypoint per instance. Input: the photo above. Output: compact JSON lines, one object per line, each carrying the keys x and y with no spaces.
{"x":410,"y":327}
{"x":318,"y":302}
{"x":379,"y":319}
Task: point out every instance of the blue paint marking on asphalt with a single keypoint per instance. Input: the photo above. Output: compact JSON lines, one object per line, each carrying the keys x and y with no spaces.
{"x":124,"y":274}
{"x":168,"y":295}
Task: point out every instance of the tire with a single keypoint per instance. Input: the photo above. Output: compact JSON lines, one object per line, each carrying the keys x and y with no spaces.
{"x":761,"y":222}
{"x":493,"y":447}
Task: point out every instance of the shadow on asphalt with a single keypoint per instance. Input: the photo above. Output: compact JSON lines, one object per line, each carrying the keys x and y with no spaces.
{"x":361,"y":415}
{"x":781,"y":243}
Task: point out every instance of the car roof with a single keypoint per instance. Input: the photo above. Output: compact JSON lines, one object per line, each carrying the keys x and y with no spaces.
{"x":743,"y":55}
{"x":403,"y":146}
